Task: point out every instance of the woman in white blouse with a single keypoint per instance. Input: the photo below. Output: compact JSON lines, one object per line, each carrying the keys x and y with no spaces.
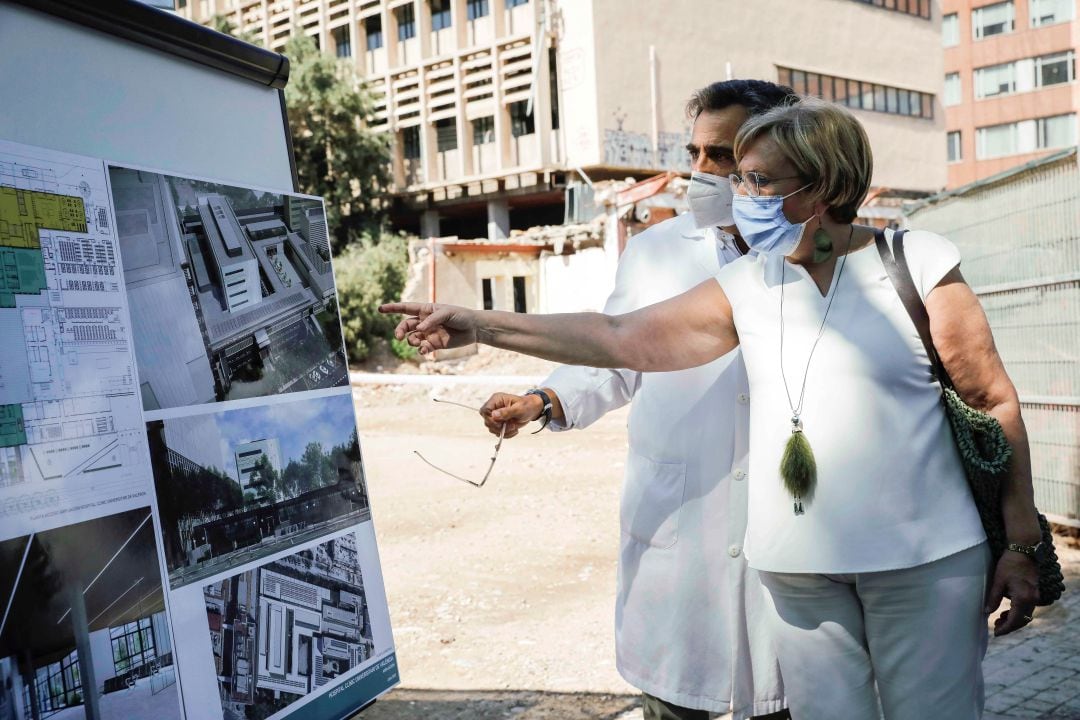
{"x":879,"y":571}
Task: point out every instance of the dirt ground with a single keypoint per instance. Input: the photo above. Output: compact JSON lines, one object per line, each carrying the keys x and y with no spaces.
{"x":501,"y":597}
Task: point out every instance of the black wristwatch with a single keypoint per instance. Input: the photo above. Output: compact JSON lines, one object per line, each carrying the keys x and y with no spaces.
{"x":546,"y":413}
{"x":1035,"y":552}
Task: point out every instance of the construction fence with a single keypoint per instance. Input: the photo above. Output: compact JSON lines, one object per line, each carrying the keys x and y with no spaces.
{"x":1019,"y":237}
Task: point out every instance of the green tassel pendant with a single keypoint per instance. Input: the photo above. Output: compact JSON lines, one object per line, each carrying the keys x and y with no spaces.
{"x":823,"y":246}
{"x":798,"y":469}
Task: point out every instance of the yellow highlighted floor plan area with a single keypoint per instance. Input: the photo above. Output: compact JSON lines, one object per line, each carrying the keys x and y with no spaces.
{"x":22,"y":214}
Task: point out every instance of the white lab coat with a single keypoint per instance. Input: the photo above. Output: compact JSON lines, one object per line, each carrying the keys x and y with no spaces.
{"x":690,"y":617}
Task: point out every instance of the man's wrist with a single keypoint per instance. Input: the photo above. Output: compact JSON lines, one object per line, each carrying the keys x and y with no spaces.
{"x":536,"y":406}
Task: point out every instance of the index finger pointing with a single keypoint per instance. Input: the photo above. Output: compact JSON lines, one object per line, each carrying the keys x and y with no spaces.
{"x":400,"y":308}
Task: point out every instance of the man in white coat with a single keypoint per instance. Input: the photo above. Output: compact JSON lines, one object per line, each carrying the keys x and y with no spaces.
{"x":690,"y":624}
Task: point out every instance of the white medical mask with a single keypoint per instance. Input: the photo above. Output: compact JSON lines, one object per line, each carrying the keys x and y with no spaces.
{"x":709,"y":197}
{"x":763,"y":225}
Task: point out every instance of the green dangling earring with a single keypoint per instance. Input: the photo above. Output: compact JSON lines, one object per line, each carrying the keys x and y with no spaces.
{"x":798,"y":468}
{"x":823,"y":246}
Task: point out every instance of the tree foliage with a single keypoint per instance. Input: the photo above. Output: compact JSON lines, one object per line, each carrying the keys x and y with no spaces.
{"x":368,"y":274}
{"x":337,"y":155}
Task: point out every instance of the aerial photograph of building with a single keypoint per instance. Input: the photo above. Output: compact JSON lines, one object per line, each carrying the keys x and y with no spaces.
{"x":85,"y":634}
{"x":231,"y":290}
{"x":288,"y":628}
{"x":236,"y":485}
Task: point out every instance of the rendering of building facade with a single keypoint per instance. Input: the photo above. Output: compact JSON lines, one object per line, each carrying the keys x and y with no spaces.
{"x":1010,"y":94}
{"x":501,"y":110}
{"x":248,"y":459}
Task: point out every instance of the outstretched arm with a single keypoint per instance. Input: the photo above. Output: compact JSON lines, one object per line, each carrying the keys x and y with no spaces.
{"x":686,"y":331}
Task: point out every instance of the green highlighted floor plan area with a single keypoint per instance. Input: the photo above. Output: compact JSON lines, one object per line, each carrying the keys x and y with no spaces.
{"x":22,"y":214}
{"x":12,"y":429}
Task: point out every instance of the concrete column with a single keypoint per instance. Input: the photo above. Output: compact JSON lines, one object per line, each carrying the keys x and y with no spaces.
{"x":79,"y":624}
{"x":542,"y":102}
{"x":422,"y":13}
{"x":498,"y":212}
{"x":429,"y":224}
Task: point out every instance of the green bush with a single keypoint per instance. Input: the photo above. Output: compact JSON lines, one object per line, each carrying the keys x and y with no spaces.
{"x":368,"y":274}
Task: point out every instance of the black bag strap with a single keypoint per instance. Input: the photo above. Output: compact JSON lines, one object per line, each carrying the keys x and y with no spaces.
{"x":899,"y":273}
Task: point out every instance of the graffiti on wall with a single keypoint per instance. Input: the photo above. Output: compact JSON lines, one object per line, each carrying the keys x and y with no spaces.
{"x":623,"y":148}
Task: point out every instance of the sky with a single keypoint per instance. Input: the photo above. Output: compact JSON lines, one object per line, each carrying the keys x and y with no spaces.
{"x":295,"y":423}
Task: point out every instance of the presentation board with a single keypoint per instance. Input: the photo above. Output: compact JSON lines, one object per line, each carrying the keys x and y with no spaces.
{"x":185,"y":526}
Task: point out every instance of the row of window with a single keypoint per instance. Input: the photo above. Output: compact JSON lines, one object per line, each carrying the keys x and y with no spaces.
{"x":1015,"y":138}
{"x":859,"y":95}
{"x":911,"y":7}
{"x":483,"y":130}
{"x":405,"y":20}
{"x":1000,"y":18}
{"x":1013,"y":77}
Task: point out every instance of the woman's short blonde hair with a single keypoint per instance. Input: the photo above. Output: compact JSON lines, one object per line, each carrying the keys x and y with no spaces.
{"x":827,"y":146}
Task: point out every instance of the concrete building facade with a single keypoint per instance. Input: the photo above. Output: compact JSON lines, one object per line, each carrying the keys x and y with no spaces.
{"x":495,"y":105}
{"x":1010,"y":91}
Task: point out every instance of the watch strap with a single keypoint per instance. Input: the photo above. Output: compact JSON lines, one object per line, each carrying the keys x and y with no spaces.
{"x":546,"y":413}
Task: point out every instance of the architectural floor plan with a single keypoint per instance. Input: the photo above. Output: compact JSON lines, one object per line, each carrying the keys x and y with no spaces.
{"x":71,"y":435}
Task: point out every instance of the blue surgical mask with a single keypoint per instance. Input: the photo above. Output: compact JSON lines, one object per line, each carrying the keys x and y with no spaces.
{"x":763,"y":226}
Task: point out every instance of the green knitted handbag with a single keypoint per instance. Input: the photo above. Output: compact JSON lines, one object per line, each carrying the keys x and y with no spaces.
{"x":980,"y":439}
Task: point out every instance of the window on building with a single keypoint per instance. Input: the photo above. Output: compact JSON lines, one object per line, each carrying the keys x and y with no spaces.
{"x":519,"y":294}
{"x":410,"y":143}
{"x":993,"y":19}
{"x":440,"y":14}
{"x":1055,"y":132}
{"x":995,"y":80}
{"x":343,"y":42}
{"x":483,"y":130}
{"x":477,"y":9}
{"x":950,"y":30}
{"x":553,"y":83}
{"x":520,"y":122}
{"x":1055,"y":69}
{"x":997,"y":141}
{"x":515,"y":3}
{"x":953,"y":94}
{"x":859,"y":95}
{"x":952,"y":139}
{"x":132,"y":645}
{"x":373,"y":31}
{"x":489,"y":296}
{"x":1051,"y":12}
{"x":406,"y":22}
{"x":446,"y":134}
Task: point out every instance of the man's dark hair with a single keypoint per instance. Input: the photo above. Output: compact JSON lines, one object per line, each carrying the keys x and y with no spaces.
{"x":756,"y":96}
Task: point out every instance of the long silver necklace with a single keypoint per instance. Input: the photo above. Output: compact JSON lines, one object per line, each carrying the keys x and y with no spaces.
{"x":798,"y":468}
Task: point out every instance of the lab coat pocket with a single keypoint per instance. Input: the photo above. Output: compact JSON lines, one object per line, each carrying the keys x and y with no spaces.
{"x":651,"y":500}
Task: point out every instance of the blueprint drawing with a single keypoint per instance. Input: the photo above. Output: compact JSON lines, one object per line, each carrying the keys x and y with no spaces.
{"x":71,"y":432}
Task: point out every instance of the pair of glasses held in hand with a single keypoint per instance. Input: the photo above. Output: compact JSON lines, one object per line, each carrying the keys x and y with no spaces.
{"x":494,"y":455}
